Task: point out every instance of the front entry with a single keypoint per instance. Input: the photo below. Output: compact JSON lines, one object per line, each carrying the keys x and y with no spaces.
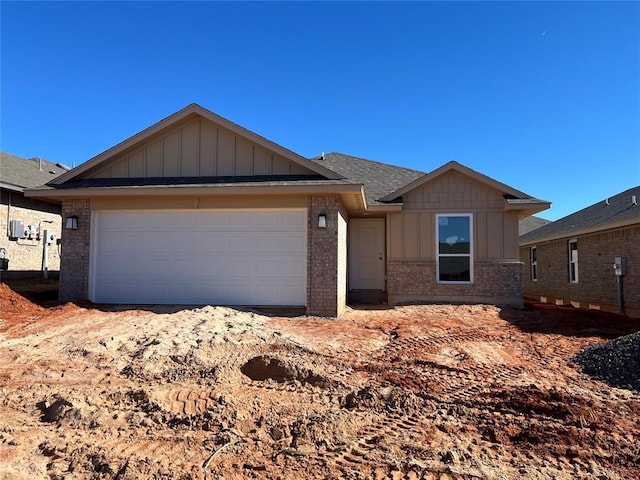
{"x":366,"y":260}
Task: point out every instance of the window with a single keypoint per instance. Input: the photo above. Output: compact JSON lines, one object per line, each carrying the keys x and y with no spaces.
{"x":454,"y":246}
{"x":534,"y":263}
{"x":573,"y":261}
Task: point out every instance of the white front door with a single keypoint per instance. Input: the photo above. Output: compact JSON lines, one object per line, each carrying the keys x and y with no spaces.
{"x":366,"y":254}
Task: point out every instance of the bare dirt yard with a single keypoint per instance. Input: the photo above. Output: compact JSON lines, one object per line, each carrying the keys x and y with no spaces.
{"x":413,"y":392}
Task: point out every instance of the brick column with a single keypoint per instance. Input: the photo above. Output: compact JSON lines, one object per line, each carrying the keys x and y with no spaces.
{"x":322,"y":257}
{"x":74,"y":261}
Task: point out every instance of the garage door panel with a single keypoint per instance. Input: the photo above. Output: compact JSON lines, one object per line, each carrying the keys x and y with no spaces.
{"x":295,"y":223}
{"x":292,"y":269}
{"x":241,"y":258}
{"x":293,"y":243}
{"x":185,"y":267}
{"x":240,"y":243}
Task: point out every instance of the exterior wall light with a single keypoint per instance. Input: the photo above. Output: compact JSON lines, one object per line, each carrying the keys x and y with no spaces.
{"x":71,"y":223}
{"x":322,"y":221}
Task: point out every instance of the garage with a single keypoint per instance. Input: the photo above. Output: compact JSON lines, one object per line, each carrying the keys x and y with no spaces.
{"x":222,"y":257}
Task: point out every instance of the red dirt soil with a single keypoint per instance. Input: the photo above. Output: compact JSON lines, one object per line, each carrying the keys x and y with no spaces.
{"x":415,"y":392}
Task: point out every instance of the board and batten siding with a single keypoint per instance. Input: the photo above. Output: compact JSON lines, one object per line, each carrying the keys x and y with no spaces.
{"x":198,"y":148}
{"x":411,"y":233}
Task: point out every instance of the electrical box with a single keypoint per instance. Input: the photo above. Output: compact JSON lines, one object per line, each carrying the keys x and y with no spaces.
{"x":620,"y":266}
{"x":17,"y":229}
{"x":51,"y":238}
{"x":4,"y":261}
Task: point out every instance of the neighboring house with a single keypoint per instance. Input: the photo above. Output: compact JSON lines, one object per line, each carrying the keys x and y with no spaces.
{"x":532,"y":223}
{"x":197,"y":210}
{"x":571,"y":260}
{"x":23,"y":221}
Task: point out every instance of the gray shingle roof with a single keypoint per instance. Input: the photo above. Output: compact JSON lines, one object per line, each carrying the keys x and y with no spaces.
{"x":532,"y":223}
{"x":598,"y":216}
{"x":379,"y":179}
{"x":19,"y":173}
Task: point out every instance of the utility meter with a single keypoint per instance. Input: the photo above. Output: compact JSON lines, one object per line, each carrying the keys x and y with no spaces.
{"x":620,"y":266}
{"x":17,"y":229}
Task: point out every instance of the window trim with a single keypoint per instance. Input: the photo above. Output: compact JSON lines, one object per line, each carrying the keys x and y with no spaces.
{"x":574,"y":275}
{"x":533,"y":259}
{"x":469,"y":255}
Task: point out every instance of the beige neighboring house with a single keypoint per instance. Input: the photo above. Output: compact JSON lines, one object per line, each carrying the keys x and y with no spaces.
{"x":198,"y":210}
{"x":24,"y":221}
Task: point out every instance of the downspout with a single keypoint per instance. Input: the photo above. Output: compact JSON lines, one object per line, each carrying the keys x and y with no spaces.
{"x":45,"y":255}
{"x":45,"y":248}
{"x":8,"y":212}
{"x":620,"y":295}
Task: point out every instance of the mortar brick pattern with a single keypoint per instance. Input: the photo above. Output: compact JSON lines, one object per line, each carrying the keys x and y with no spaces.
{"x":494,"y":282}
{"x":74,"y":274}
{"x":597,"y":284}
{"x":27,"y":255}
{"x":322,"y":257}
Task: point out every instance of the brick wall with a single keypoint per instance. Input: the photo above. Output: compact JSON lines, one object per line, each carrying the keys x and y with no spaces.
{"x":323,"y":288}
{"x":74,"y":274}
{"x":597,"y":284}
{"x":497,"y":283}
{"x":322,"y":258}
{"x":24,"y":254}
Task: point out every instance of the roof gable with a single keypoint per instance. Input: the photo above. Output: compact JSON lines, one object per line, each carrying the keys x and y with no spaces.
{"x":512,"y":199}
{"x":195,"y":142}
{"x":453,"y":189}
{"x":455,"y":166}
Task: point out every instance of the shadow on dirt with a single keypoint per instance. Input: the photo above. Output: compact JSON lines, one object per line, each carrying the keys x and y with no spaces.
{"x":569,"y":321}
{"x":44,"y":293}
{"x":41,"y":291}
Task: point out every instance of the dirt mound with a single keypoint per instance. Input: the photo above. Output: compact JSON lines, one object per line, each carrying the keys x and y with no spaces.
{"x":12,"y":302}
{"x":432,"y":392}
{"x":616,"y":362}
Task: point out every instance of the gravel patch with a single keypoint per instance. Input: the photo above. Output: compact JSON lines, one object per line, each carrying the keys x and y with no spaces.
{"x":617,"y":362}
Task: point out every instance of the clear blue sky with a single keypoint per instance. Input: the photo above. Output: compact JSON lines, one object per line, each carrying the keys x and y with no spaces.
{"x":543,"y":96}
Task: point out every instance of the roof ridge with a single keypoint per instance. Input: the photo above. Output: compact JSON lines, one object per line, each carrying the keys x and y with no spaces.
{"x":371,"y":161}
{"x":32,"y":159}
{"x":564,"y":226}
{"x":617,"y":196}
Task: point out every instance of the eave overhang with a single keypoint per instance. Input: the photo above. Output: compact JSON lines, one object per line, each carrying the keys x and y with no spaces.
{"x":352,"y":194}
{"x":11,"y":187}
{"x":526,"y":206}
{"x":581,"y":231}
{"x":392,"y":207}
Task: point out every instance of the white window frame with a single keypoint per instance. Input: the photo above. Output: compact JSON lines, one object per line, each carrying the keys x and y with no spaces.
{"x":533,"y":256}
{"x":574,"y":276}
{"x":469,"y":255}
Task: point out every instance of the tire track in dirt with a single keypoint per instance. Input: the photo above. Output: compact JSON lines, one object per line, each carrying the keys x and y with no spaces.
{"x":185,"y":401}
{"x":172,"y":450}
{"x":384,"y":430}
{"x":449,"y":368}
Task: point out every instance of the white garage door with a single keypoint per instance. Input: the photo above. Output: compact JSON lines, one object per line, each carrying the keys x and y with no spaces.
{"x":212,"y":257}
